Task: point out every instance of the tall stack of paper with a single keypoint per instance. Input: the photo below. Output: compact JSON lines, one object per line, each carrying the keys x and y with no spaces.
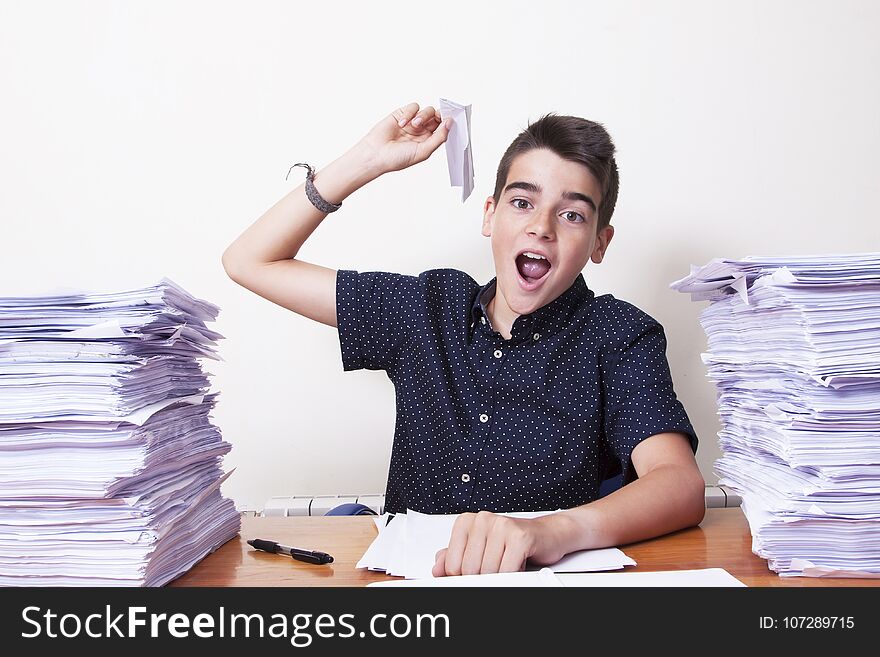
{"x":109,"y":464}
{"x":794,"y":349}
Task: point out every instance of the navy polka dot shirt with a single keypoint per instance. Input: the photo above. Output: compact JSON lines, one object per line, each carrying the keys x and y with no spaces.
{"x":533,"y":423}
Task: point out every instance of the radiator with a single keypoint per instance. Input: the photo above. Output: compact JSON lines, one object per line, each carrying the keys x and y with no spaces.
{"x":318,"y":505}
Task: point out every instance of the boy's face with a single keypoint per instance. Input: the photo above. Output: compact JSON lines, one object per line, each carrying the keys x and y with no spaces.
{"x":548,"y":207}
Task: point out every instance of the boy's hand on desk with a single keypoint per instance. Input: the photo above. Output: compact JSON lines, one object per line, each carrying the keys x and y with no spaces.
{"x":488,"y":543}
{"x":390,"y":146}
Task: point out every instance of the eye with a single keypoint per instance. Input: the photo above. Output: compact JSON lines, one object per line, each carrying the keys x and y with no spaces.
{"x":519,"y":200}
{"x":576,"y":219}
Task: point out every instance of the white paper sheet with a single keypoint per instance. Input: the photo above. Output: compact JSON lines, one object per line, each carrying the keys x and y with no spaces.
{"x":459,"y":150}
{"x":708,"y":577}
{"x":378,"y":554}
{"x":543,"y":577}
{"x":712,"y":577}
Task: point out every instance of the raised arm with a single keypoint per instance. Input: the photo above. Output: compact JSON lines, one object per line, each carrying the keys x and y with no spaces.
{"x":263,"y":258}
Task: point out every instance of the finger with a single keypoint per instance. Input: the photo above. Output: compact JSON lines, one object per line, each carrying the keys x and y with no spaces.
{"x":423,"y":117}
{"x":493,"y":553}
{"x":439,"y":569}
{"x":472,"y":559}
{"x":403,"y":115}
{"x":457,"y":543}
{"x":432,"y":143}
{"x":481,"y":527}
{"x":514,"y":558}
{"x":422,"y":124}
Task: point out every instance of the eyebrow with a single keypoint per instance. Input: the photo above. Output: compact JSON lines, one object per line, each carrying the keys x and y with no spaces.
{"x":536,"y":189}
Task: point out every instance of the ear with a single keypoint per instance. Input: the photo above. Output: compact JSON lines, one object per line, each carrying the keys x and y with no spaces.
{"x":488,"y":216}
{"x":603,"y":239}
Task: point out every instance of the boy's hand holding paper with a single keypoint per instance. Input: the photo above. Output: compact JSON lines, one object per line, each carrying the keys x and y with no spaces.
{"x":405,"y":137}
{"x":491,"y":543}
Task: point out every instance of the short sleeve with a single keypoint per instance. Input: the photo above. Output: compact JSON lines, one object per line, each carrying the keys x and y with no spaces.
{"x":375,"y":312}
{"x":639,"y":397}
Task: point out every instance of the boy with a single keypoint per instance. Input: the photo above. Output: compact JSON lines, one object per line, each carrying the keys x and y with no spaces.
{"x":519,"y":395}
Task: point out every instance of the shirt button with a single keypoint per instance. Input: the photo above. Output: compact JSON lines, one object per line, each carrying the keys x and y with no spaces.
{"x":536,"y":336}
{"x":482,"y":320}
{"x":484,"y":418}
{"x":465,"y":477}
{"x":498,"y":353}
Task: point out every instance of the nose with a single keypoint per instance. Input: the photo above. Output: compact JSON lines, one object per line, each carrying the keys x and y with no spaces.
{"x":541,"y":225}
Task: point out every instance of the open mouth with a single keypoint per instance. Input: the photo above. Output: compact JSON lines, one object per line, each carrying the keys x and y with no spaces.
{"x":533,"y":268}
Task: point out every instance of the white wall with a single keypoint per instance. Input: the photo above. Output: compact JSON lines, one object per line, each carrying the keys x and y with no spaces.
{"x":138,"y":139}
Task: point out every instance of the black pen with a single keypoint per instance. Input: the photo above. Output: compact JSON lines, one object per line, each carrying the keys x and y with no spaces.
{"x":309,"y":556}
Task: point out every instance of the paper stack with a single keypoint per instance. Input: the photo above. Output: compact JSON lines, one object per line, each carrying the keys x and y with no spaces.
{"x":794,"y":349}
{"x":407,"y":546}
{"x":109,"y":464}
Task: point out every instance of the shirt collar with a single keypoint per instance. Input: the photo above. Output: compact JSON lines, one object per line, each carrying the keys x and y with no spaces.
{"x":546,"y":320}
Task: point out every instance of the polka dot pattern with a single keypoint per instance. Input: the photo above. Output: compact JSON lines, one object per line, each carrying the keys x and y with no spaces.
{"x":533,"y":423}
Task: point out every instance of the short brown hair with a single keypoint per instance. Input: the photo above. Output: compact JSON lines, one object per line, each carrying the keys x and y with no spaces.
{"x":577,"y":140}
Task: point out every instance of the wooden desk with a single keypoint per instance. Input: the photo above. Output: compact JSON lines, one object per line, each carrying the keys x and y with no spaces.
{"x":721,"y":541}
